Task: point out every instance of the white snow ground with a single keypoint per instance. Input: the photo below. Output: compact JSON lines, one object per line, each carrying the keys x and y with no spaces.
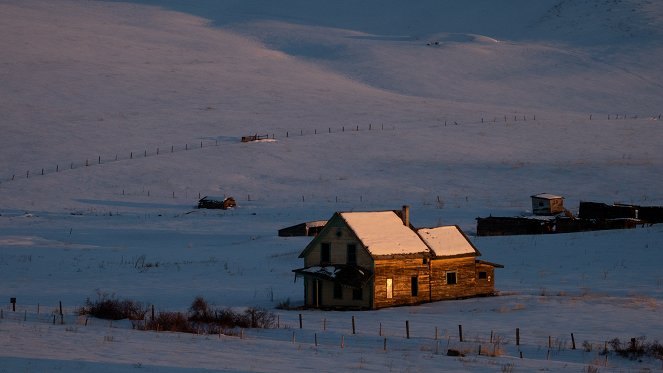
{"x":457,"y":110}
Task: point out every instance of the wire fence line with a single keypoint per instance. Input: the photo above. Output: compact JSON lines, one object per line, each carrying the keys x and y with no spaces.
{"x":508,"y":119}
{"x":349,"y":333}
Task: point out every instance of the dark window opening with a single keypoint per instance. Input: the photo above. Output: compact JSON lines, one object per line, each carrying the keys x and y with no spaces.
{"x":415,"y":286}
{"x":338,"y":291}
{"x":451,"y":278}
{"x":357,"y":294}
{"x":352,"y":254}
{"x":325,"y":252}
{"x":483,"y":275}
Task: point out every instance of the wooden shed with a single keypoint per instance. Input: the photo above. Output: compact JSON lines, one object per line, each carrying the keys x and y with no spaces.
{"x":547,"y":204}
{"x":309,"y":228}
{"x":209,"y":202}
{"x":376,"y":259}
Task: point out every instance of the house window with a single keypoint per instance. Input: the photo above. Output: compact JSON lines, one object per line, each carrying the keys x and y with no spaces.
{"x":357,"y":294}
{"x":483,"y":275}
{"x":352,"y":254}
{"x":415,"y":286}
{"x":325,"y":252}
{"x":451,"y":278}
{"x":338,"y":291}
{"x":390,"y":288}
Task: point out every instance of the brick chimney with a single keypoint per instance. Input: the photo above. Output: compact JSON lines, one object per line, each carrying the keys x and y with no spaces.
{"x":405,"y":215}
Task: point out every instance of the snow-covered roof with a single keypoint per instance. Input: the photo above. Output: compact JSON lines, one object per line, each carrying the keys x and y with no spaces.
{"x":546,"y":196}
{"x":446,"y":241}
{"x":383,"y":233}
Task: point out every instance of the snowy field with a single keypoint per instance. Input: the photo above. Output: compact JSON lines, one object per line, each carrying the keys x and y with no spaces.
{"x":117,"y":116}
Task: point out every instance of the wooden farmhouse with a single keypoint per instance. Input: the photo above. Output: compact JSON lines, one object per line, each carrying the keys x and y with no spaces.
{"x":547,"y":204}
{"x":371,"y":260}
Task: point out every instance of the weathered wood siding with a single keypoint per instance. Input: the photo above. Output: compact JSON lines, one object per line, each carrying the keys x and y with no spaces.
{"x":544,"y":206}
{"x":466,"y":278}
{"x":485,"y":286}
{"x":401,"y":272}
{"x":339,"y":236}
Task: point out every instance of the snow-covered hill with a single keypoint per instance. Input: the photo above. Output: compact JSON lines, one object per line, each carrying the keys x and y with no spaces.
{"x":117,"y":116}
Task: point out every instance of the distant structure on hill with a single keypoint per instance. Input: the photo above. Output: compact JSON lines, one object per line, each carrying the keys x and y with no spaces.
{"x":377,"y":259}
{"x":309,"y":228}
{"x":553,"y":217}
{"x":209,"y":202}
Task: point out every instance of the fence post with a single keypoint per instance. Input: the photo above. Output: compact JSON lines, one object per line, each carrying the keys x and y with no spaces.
{"x":517,"y":336}
{"x":460,"y":332}
{"x":573,"y":342}
{"x":407,"y":329}
{"x":300,"y":321}
{"x":353,"y":324}
{"x":384,"y":345}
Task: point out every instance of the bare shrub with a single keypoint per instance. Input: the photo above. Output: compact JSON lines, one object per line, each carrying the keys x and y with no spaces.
{"x":260,"y":317}
{"x":200,"y":311}
{"x":170,"y":322}
{"x":111,"y":308}
{"x":637,"y":348}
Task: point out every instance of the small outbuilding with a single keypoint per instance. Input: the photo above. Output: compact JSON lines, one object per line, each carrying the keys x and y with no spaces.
{"x":547,"y":204}
{"x":210,"y":202}
{"x":309,"y":228}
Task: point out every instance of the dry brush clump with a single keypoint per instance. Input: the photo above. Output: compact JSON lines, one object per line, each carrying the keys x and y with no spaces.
{"x":111,"y":308}
{"x":637,"y":348}
{"x":201,"y":318}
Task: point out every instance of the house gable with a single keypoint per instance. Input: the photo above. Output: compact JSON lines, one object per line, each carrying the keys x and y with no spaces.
{"x":338,"y":235}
